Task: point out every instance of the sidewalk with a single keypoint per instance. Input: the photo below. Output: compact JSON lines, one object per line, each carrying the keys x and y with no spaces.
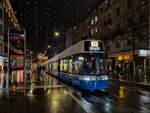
{"x":145,"y":84}
{"x":4,"y":93}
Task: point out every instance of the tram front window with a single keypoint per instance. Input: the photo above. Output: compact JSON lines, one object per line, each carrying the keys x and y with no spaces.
{"x":94,"y":66}
{"x":89,"y":65}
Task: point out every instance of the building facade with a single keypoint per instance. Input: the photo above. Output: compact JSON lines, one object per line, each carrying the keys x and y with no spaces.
{"x":7,"y":20}
{"x":124,"y":27}
{"x":1,"y":30}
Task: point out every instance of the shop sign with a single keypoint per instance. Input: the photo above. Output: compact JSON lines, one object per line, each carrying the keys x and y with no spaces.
{"x":144,"y":53}
{"x":127,"y":57}
{"x":123,"y":58}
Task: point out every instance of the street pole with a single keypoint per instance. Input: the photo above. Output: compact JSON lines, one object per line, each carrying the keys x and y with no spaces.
{"x":24,"y":62}
{"x":149,"y":34}
{"x":133,"y":47}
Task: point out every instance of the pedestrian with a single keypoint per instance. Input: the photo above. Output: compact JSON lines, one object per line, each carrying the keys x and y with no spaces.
{"x":39,"y":72}
{"x":139,"y":72}
{"x":5,"y":69}
{"x":5,"y":72}
{"x":10,"y":77}
{"x":117,"y":70}
{"x":131,"y":71}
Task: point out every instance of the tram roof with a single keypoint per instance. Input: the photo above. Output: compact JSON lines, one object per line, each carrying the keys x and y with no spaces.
{"x":73,"y":50}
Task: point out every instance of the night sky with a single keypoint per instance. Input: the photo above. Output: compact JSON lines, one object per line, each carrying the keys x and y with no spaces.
{"x":41,"y":17}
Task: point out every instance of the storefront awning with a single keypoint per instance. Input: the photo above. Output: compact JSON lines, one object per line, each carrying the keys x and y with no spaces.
{"x":140,"y":53}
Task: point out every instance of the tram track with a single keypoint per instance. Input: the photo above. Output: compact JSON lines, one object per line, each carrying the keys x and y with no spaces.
{"x":107,"y":99}
{"x":100,"y":95}
{"x":104,"y":96}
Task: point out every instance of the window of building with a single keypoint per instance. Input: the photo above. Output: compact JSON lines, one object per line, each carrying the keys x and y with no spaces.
{"x":75,"y":27}
{"x":96,"y":29}
{"x":92,"y":32}
{"x":96,"y":18}
{"x":101,"y":10}
{"x":130,"y":21}
{"x":92,"y":22}
{"x":129,"y":4}
{"x":117,"y":44}
{"x":109,"y":2}
{"x":142,"y":15}
{"x":109,"y":21}
{"x":1,"y":49}
{"x":129,"y":42}
{"x":118,"y":11}
{"x":118,"y":26}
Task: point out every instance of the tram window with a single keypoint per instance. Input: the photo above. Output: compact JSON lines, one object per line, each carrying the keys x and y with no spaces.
{"x":65,"y":65}
{"x":78,"y":65}
{"x":75,"y":67}
{"x":49,"y":66}
{"x":89,"y":67}
{"x":70,"y":66}
{"x":81,"y":67}
{"x":94,"y":65}
{"x":61,"y":65}
{"x":55,"y":66}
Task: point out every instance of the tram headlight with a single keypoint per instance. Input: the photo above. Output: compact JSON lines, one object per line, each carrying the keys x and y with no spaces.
{"x":86,"y":78}
{"x":106,"y":78}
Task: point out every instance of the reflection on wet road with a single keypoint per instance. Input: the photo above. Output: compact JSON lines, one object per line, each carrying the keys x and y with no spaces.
{"x":118,"y":99}
{"x":52,"y":97}
{"x":55,"y":97}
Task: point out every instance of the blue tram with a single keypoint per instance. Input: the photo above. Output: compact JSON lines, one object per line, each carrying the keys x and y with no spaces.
{"x":83,"y":65}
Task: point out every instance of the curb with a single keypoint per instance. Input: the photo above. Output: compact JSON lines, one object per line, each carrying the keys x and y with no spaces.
{"x":129,"y":83}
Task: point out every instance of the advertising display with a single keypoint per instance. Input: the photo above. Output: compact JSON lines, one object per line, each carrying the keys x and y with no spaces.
{"x":16,"y":50}
{"x":17,"y":55}
{"x":16,"y":61}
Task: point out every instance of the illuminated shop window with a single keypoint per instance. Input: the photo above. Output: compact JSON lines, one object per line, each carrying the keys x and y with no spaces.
{"x":92,"y":22}
{"x":96,"y":18}
{"x":96,"y":30}
{"x":92,"y":32}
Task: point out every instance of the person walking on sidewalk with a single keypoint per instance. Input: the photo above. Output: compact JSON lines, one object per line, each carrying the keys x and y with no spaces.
{"x":39,"y":73}
{"x":5,"y":72}
{"x":131,"y":71}
{"x":117,"y":70}
{"x":5,"y":69}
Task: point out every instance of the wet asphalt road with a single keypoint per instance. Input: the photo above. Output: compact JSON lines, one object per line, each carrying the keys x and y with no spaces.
{"x":55,"y":97}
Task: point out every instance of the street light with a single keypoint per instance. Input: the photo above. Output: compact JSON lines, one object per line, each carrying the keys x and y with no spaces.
{"x":56,"y":34}
{"x":49,"y":46}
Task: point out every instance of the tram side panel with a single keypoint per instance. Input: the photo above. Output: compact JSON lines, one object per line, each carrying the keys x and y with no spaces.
{"x":85,"y":70}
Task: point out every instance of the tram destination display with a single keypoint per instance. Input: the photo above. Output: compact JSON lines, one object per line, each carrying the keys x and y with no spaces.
{"x":93,"y":46}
